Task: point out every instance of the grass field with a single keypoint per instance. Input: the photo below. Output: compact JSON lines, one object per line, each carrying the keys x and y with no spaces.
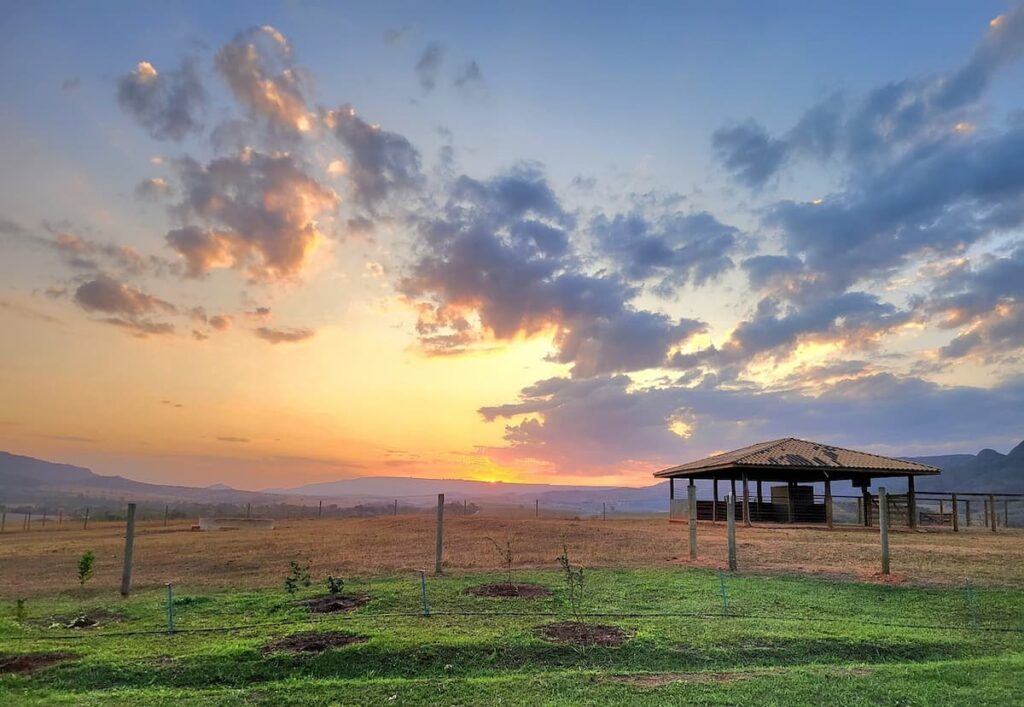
{"x":818,"y":634}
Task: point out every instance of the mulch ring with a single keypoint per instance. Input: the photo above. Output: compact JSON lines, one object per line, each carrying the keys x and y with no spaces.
{"x":30,"y":662}
{"x":333,"y":603}
{"x":510,"y":590}
{"x":661,"y":679}
{"x":90,"y":619}
{"x":585,"y":634}
{"x":311,"y":642}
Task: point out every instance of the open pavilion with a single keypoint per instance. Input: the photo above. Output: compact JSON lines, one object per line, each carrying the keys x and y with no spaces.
{"x":794,"y":465}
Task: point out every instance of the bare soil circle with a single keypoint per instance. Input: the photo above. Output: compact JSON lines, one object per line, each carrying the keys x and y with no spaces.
{"x":334,"y":603}
{"x":585,"y":634}
{"x":510,"y":590}
{"x":30,"y":662}
{"x":311,"y":642}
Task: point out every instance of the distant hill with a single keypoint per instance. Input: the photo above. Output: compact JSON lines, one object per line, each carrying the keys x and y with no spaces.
{"x":388,"y":487}
{"x":988,"y":470}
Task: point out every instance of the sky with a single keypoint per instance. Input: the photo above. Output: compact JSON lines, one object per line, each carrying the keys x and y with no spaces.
{"x":269,"y":244}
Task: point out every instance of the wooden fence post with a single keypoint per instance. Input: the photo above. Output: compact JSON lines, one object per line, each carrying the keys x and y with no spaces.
{"x":604,"y":510}
{"x":956,"y":516}
{"x":439,"y":546}
{"x":129,"y":543}
{"x":883,"y":527}
{"x":967,"y":512}
{"x":320,"y":510}
{"x":730,"y":516}
{"x":993,"y":514}
{"x":396,"y":506}
{"x":60,"y":518}
{"x":1006,"y":513}
{"x":85,"y":525}
{"x":536,"y":509}
{"x":691,"y":506}
{"x":166,"y":510}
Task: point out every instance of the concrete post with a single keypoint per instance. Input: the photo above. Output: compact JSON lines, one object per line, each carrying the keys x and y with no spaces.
{"x":883,"y":527}
{"x":129,"y":545}
{"x":691,"y":501}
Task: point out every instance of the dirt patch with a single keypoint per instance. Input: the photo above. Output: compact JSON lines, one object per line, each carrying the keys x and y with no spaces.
{"x":661,"y":679}
{"x":90,"y":619}
{"x":333,"y":603}
{"x":585,"y":634}
{"x":508,"y":590}
{"x":311,"y":642}
{"x":30,"y":662}
{"x":893,"y":578}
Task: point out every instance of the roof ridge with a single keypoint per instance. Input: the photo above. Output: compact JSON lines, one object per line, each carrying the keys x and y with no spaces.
{"x":765,"y":446}
{"x":867,"y":454}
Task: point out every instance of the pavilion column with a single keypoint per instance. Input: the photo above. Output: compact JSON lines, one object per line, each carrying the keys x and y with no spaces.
{"x":911,"y":502}
{"x":867,"y":506}
{"x":828,"y":503}
{"x":671,"y":489}
{"x":789,"y":501}
{"x":746,"y":501}
{"x":714,"y":502}
{"x":760,"y":500}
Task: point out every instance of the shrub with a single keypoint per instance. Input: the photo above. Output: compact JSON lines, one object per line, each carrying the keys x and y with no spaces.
{"x":85,"y":567}
{"x":335,"y":585}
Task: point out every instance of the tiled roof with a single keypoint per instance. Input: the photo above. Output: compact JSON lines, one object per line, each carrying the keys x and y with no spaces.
{"x":799,"y":454}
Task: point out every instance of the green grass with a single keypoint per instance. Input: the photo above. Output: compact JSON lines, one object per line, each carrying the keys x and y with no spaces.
{"x":785,"y":640}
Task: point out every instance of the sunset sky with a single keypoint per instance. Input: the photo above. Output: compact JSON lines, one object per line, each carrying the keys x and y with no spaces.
{"x":273,"y":244}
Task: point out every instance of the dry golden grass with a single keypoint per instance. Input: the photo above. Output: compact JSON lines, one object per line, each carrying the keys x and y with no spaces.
{"x":44,"y":561}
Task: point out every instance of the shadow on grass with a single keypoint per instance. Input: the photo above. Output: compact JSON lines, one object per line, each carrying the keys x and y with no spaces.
{"x":380,"y":659}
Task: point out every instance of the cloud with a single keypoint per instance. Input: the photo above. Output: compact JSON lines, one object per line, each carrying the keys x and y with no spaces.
{"x":152,"y":189}
{"x":254,"y":211}
{"x":128,"y":307}
{"x":261,"y":314}
{"x":28,"y":312}
{"x":429,"y":65}
{"x":397,"y":35}
{"x":284,"y":335}
{"x":678,"y":248}
{"x":889,"y":119}
{"x":380,"y":163}
{"x":470,"y":76}
{"x":170,"y":105}
{"x":220,"y":322}
{"x":239,"y":440}
{"x":494,"y":264}
{"x":258,"y":67}
{"x":609,"y":425}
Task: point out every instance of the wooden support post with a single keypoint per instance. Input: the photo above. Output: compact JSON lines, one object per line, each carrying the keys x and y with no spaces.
{"x":911,"y":502}
{"x":866,"y":495}
{"x":714,"y":500}
{"x":883,"y":527}
{"x":691,"y":518}
{"x":967,"y":513}
{"x":1006,"y":513}
{"x":746,"y":502}
{"x":85,"y":525}
{"x":828,"y":503}
{"x":671,"y":490}
{"x":730,"y":516}
{"x":956,"y":515}
{"x":860,"y":510}
{"x":760,"y":500}
{"x":790,"y":512}
{"x":942,"y":512}
{"x":993,"y":515}
{"x":439,"y":544}
{"x":984,"y":512}
{"x":129,"y":544}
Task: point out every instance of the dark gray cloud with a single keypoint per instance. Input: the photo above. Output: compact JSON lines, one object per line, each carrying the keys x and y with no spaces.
{"x":258,"y":67}
{"x":397,"y":35}
{"x":252,"y":210}
{"x":380,"y":163}
{"x":284,"y":335}
{"x":676,"y":248}
{"x":169,"y":104}
{"x":429,"y":66}
{"x":749,"y":152}
{"x":604,"y":425}
{"x":152,"y":189}
{"x":470,"y":76}
{"x":494,"y":263}
{"x":127,"y":307}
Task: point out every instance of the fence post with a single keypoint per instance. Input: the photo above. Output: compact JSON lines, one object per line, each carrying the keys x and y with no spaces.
{"x":730,"y":516}
{"x":28,"y":521}
{"x":691,"y":520}
{"x":60,"y":518}
{"x":828,"y":503}
{"x":993,"y":514}
{"x":248,"y":509}
{"x":536,"y":509}
{"x":3,"y":520}
{"x":320,"y":510}
{"x":85,"y":525}
{"x":1006,"y":513}
{"x":129,"y":542}
{"x":956,"y":516}
{"x":44,"y":517}
{"x":423,"y":593}
{"x":883,"y":527}
{"x":967,"y":512}
{"x":604,"y":510}
{"x":396,"y":506}
{"x":439,"y":546}
{"x":165,"y":521}
{"x":170,"y":609}
{"x":714,"y":501}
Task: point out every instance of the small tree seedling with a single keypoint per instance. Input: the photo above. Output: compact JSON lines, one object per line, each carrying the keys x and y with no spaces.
{"x":298,"y":576}
{"x":506,"y":555}
{"x":85,"y":567}
{"x":335,"y":585}
{"x":573,"y":584}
